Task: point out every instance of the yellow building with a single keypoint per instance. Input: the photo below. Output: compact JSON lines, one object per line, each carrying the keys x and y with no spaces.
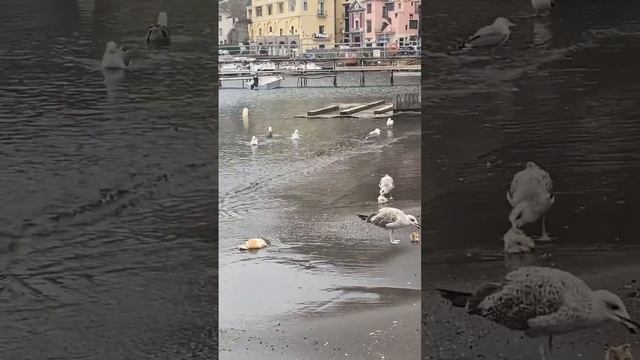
{"x":278,"y":24}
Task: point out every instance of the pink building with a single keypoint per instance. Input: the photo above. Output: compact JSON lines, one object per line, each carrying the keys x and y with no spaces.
{"x":378,"y":22}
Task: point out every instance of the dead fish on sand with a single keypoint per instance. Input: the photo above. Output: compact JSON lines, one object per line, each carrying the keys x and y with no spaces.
{"x":415,"y":237}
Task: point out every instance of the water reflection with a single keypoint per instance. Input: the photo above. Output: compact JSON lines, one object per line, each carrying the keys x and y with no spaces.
{"x":99,"y":186}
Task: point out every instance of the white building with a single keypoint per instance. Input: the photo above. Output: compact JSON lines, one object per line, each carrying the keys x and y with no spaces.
{"x":226,"y":27}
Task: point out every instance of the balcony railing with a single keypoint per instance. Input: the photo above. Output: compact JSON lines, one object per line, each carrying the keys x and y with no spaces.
{"x":321,"y":37}
{"x":322,"y":13}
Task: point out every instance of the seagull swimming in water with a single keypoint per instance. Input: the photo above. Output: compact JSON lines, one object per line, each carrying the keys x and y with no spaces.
{"x":115,"y":57}
{"x":254,"y":141}
{"x":389,"y":123}
{"x":531,"y":197}
{"x":269,"y":133}
{"x":543,"y":301}
{"x":373,"y":135}
{"x":295,"y":135}
{"x":159,"y":32}
{"x":390,"y":219}
{"x":541,"y":6}
{"x":493,"y":35}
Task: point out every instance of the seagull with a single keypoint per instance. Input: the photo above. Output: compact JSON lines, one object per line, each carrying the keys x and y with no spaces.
{"x":245,"y":114}
{"x":254,"y":141}
{"x":390,"y":219}
{"x":543,"y":301}
{"x":389,"y":123}
{"x":115,"y":57}
{"x":517,"y":242}
{"x":295,"y":135}
{"x":531,"y":197}
{"x":374,"y":134}
{"x":269,"y":133}
{"x":494,"y":35}
{"x":386,"y":185}
{"x":159,"y":32}
{"x":542,"y":5}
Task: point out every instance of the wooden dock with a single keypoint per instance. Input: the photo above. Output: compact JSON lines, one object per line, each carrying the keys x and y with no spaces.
{"x":402,"y":104}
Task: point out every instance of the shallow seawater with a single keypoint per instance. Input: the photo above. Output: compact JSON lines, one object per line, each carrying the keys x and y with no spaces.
{"x":561,"y":94}
{"x":303,"y":196}
{"x":108,"y":183}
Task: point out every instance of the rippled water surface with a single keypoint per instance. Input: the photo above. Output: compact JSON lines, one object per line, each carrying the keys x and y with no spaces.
{"x":303,"y":197}
{"x":107,"y":181}
{"x":562,"y":93}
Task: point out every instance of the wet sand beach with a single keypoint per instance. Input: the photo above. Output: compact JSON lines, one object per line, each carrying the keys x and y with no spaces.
{"x":560,"y":93}
{"x":327,"y":275}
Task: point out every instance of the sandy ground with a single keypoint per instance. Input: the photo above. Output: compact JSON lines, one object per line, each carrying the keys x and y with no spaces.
{"x":449,"y":333}
{"x":384,"y":330}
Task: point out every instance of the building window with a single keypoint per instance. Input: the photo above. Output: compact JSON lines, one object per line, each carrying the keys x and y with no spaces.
{"x":413,"y":24}
{"x":292,"y":30}
{"x":390,"y":6}
{"x":396,"y":15}
{"x":368,"y":8}
{"x":270,"y":30}
{"x":281,"y":32}
{"x":249,"y":14}
{"x":292,"y":5}
{"x":219,"y":18}
{"x":269,"y":9}
{"x":368,"y":26}
{"x":259,"y":32}
{"x":305,"y":5}
{"x":320,"y":7}
{"x":399,"y":6}
{"x":280,"y":7}
{"x":220,"y":32}
{"x":356,"y":25}
{"x":258,"y":11}
{"x":321,"y":29}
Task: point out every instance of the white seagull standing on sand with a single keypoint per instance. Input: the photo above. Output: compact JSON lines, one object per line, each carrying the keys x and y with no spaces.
{"x":389,"y":123}
{"x":390,"y":219}
{"x":542,"y":6}
{"x":295,"y":135}
{"x":531,"y":197}
{"x":373,"y":135}
{"x":493,"y":35}
{"x":543,"y":301}
{"x":115,"y":57}
{"x":254,"y":141}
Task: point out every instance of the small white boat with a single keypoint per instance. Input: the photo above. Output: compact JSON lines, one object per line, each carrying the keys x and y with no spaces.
{"x":265,"y":83}
{"x":233,"y":69}
{"x":265,"y":66}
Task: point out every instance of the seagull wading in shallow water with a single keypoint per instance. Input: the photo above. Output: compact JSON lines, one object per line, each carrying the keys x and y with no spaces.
{"x":493,"y":35}
{"x":159,"y":32}
{"x":254,"y":141}
{"x":386,"y":185}
{"x":543,"y":301}
{"x":295,"y":135}
{"x":390,"y":219}
{"x":389,"y":123}
{"x":115,"y":57}
{"x":373,"y":135}
{"x":531,"y":197}
{"x":269,"y":133}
